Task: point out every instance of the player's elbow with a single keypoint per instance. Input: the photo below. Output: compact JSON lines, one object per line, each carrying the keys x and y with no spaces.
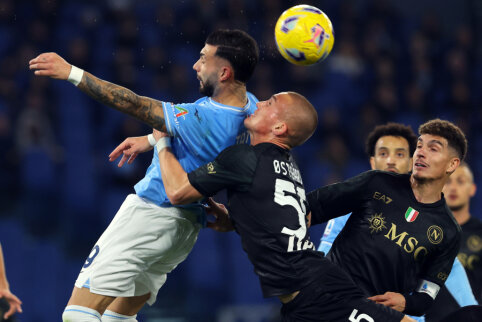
{"x":176,"y":197}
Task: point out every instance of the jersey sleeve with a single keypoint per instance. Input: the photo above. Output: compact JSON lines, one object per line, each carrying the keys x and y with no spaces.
{"x":233,"y":168}
{"x":439,"y":266}
{"x":332,"y":229}
{"x":184,"y":120}
{"x":458,"y":285}
{"x":338,"y":199}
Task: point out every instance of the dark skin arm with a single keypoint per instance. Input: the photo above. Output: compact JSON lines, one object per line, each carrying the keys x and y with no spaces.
{"x":143,"y":108}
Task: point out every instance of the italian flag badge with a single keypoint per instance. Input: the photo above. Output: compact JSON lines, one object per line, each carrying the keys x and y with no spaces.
{"x":411,"y":214}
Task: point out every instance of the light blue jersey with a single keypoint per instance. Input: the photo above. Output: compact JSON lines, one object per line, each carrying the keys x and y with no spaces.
{"x":199,"y":131}
{"x":457,"y":283}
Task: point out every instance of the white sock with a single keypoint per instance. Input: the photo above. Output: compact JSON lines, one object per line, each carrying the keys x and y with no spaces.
{"x":111,"y":316}
{"x":77,"y":313}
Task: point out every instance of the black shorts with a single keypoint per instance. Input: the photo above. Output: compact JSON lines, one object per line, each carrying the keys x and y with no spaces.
{"x":334,"y":297}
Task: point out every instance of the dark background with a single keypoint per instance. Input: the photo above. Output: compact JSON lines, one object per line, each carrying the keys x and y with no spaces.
{"x":404,"y":61}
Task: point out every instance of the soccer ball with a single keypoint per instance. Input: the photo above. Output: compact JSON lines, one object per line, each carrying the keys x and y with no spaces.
{"x":304,"y":35}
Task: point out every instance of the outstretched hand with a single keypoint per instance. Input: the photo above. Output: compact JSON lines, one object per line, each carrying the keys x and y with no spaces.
{"x":129,"y":149}
{"x":50,"y":64}
{"x":220,"y":213}
{"x":393,"y":300}
{"x":13,"y":301}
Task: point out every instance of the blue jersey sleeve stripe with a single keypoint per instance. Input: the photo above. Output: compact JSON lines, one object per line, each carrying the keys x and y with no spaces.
{"x":167,"y":118}
{"x":458,"y":285}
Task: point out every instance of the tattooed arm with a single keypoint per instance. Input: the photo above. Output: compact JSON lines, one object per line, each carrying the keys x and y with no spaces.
{"x":143,"y":108}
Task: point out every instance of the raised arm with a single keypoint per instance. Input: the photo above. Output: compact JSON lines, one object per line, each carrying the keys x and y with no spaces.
{"x":178,"y":188}
{"x":143,"y":108}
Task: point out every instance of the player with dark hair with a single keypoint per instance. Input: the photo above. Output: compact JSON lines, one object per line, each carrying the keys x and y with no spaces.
{"x":390,"y":148}
{"x":267,"y":207}
{"x":149,"y":236}
{"x":458,"y":191}
{"x":400,"y":241}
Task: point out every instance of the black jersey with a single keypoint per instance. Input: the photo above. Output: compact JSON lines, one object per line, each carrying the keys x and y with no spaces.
{"x":443,"y":305}
{"x":391,"y":240}
{"x":267,"y":204}
{"x":470,"y":254}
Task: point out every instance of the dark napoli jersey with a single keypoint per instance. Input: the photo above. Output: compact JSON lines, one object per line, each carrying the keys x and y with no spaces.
{"x":470,"y":254}
{"x":267,"y":205}
{"x":391,"y":241}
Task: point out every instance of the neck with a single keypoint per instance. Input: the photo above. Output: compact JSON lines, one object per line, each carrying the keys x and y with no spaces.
{"x":257,"y":139}
{"x":462,"y":215}
{"x":233,"y":94}
{"x":427,"y":191}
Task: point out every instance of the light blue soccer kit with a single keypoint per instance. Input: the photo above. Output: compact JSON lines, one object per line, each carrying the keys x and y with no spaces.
{"x":200,"y":131}
{"x":457,"y":283}
{"x":149,"y":237}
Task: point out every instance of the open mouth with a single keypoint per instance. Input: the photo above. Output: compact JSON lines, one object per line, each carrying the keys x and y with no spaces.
{"x":420,"y":165}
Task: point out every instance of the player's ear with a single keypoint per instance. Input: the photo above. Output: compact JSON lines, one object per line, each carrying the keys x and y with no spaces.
{"x":226,"y":73}
{"x":453,"y":165}
{"x":280,"y":128}
{"x":473,"y":190}
{"x":410,"y":166}
{"x":372,"y":162}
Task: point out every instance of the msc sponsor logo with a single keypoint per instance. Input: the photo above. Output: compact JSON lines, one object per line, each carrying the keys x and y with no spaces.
{"x":381,"y":197}
{"x":377,"y":223}
{"x":407,"y":243}
{"x":435,"y":234}
{"x":469,"y":261}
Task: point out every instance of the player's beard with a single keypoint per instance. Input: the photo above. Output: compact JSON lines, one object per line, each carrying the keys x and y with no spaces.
{"x":423,"y":180}
{"x":206,"y":88}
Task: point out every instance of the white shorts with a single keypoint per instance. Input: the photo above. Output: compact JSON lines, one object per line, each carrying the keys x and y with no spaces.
{"x":142,"y":244}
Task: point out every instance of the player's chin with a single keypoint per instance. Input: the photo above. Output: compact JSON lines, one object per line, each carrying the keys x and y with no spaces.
{"x":420,"y":176}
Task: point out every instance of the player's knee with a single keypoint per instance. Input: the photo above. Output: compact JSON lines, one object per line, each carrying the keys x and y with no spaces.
{"x":111,"y":316}
{"x":76,"y":313}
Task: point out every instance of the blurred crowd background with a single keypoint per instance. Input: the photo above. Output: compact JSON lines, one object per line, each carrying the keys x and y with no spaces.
{"x":403,"y":61}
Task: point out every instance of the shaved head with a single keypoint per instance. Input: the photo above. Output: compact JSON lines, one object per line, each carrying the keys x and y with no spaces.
{"x":301,"y":118}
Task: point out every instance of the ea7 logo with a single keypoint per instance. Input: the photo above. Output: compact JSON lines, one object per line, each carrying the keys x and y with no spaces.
{"x":384,"y":198}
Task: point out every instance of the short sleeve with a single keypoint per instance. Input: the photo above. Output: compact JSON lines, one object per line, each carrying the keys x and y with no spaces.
{"x":333,"y":228}
{"x":184,"y":118}
{"x":438,"y":267}
{"x":234,"y":168}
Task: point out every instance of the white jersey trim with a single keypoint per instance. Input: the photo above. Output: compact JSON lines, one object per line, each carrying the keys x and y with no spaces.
{"x":232,"y":108}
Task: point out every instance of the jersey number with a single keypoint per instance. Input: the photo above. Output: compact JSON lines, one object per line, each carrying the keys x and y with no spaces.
{"x":360,"y":318}
{"x":92,"y":256}
{"x":280,"y":197}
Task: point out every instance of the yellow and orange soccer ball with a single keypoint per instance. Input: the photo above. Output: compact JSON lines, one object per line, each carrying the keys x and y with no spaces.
{"x":304,"y":35}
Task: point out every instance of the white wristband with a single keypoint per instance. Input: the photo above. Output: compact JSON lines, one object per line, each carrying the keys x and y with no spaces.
{"x":164,"y":142}
{"x":75,"y":76}
{"x":151,"y":139}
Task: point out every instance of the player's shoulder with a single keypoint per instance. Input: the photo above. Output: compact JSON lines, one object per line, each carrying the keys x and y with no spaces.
{"x":387,"y":176}
{"x":252,"y":98}
{"x":451,"y":221}
{"x":238,"y":154}
{"x":474,"y":224}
